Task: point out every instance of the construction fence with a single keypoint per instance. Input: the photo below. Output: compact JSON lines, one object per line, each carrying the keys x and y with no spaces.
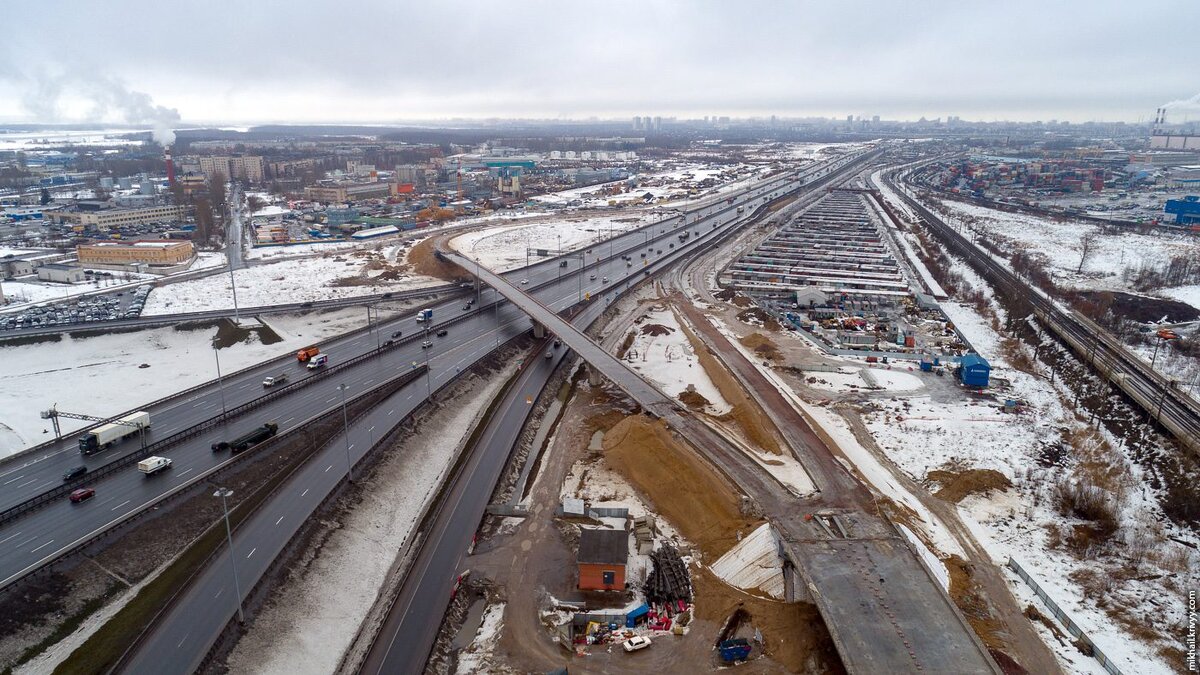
{"x":1065,"y":620}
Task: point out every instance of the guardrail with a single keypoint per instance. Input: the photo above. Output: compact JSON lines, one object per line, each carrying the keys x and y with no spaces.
{"x":1072,"y":627}
{"x":179,"y":394}
{"x":161,"y":445}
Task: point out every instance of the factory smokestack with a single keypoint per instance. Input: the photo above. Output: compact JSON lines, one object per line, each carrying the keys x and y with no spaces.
{"x":170,"y":167}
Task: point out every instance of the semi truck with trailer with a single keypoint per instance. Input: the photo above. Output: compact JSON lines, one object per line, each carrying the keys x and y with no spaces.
{"x":106,"y":435}
{"x":248,"y":439}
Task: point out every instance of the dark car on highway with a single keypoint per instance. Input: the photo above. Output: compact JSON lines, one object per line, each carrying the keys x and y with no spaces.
{"x":442,"y":332}
{"x":72,"y":474}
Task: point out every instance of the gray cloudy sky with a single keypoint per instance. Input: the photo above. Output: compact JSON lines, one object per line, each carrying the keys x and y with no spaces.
{"x":385,"y":60}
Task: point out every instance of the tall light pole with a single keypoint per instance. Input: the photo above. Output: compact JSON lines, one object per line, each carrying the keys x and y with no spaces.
{"x":346,"y":435}
{"x":220,"y":384}
{"x":225,"y":493}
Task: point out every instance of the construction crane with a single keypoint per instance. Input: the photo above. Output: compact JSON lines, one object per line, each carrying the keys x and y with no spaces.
{"x":458,"y":173}
{"x":54,"y":413}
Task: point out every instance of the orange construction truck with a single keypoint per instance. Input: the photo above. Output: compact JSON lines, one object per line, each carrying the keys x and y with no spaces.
{"x":307,"y":353}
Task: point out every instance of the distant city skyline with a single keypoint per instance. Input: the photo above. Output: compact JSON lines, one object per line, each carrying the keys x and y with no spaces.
{"x":378,"y":62}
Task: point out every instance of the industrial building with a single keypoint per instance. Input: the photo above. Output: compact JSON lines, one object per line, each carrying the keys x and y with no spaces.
{"x":602,"y":557}
{"x":1186,"y":210}
{"x":347,"y":192}
{"x":141,"y":252}
{"x":61,"y":274}
{"x":104,"y":218}
{"x":242,"y":167}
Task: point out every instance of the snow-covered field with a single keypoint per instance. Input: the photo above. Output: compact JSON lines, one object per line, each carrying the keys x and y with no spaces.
{"x":100,"y":375}
{"x":1062,"y":245}
{"x":281,"y":282}
{"x":669,"y":361}
{"x":503,"y":248}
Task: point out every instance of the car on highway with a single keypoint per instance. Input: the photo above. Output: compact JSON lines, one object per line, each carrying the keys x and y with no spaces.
{"x":426,"y":344}
{"x":524,"y":282}
{"x":82,"y":495}
{"x":635,"y":643}
{"x":592,"y":278}
{"x":74,"y":473}
{"x":466,"y":307}
{"x":443,"y":332}
{"x":397,"y":334}
{"x":272,"y":380}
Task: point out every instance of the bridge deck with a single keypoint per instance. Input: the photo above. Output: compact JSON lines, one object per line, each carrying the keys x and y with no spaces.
{"x":904,"y":623}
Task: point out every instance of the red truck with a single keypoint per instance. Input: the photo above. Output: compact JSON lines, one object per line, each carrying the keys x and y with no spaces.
{"x":307,"y":353}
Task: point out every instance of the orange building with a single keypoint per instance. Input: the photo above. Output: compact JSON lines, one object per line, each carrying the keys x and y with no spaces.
{"x":602,"y":558}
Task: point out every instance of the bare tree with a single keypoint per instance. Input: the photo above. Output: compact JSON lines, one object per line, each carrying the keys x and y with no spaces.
{"x":1085,"y":246}
{"x":254,"y":203}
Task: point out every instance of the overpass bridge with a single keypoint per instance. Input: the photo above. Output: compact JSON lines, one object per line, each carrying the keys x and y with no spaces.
{"x":884,"y":609}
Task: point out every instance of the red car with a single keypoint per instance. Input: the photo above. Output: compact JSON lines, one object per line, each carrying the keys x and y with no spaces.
{"x":82,"y":494}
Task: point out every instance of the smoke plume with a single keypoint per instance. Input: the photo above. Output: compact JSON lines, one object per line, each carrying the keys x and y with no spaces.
{"x":108,"y":98}
{"x":1193,"y":102}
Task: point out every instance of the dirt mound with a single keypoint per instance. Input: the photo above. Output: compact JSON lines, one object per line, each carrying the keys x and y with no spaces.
{"x":972,"y":601}
{"x":1141,"y":308}
{"x":956,"y":486}
{"x":762,"y":345}
{"x":656,"y":329}
{"x":756,"y":316}
{"x":684,"y":490}
{"x":794,"y":634}
{"x":423,"y":260}
{"x":725,"y":294}
{"x":694,"y":400}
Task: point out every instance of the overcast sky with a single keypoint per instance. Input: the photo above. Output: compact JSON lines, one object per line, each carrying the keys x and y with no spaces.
{"x":386,"y":60}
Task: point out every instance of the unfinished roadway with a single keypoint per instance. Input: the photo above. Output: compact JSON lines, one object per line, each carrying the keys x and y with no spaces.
{"x":884,"y":609}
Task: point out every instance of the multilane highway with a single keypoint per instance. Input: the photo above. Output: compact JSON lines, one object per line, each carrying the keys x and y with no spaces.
{"x":182,"y":637}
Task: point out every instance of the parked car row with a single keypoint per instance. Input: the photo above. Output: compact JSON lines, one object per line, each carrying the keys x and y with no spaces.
{"x":86,"y":309}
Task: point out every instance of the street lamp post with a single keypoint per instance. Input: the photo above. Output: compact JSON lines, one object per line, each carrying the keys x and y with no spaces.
{"x":346,"y":434}
{"x":225,"y":493}
{"x":220,"y":383}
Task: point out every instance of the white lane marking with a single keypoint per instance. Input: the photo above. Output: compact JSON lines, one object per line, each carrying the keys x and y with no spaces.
{"x":42,"y":546}
{"x":328,"y":468}
{"x":368,"y":431}
{"x":27,"y":483}
{"x":17,"y":478}
{"x":288,"y":420}
{"x":219,"y":593}
{"x":251,"y":552}
{"x":304,"y":493}
{"x":9,"y":537}
{"x":391,"y":411}
{"x":351,"y":447}
{"x":119,"y":505}
{"x":185,"y":472}
{"x":331,"y":399}
{"x":279,"y":521}
{"x":185,"y":637}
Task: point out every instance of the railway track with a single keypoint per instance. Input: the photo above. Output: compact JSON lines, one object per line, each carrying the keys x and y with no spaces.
{"x":1159,"y":396}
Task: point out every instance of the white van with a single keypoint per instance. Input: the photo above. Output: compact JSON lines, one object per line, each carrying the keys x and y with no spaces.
{"x":318,"y":361}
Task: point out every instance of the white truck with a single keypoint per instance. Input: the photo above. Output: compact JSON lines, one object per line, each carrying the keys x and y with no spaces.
{"x":105,"y":435}
{"x":318,"y":361}
{"x":272,"y":380}
{"x":152,"y":465}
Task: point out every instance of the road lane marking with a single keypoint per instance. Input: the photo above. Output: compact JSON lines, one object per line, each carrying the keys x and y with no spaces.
{"x":14,"y":479}
{"x":251,"y":552}
{"x":288,"y":420}
{"x":351,"y":447}
{"x":185,"y":637}
{"x":331,"y":399}
{"x":219,"y":593}
{"x":27,"y":483}
{"x":304,"y":493}
{"x":279,"y":521}
{"x":328,"y":468}
{"x":119,"y":505}
{"x":9,"y":537}
{"x":391,"y":411}
{"x":185,"y":472}
{"x":42,"y":546}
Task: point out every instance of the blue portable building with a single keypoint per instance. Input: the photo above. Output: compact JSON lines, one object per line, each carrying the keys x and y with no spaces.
{"x":632,"y":618}
{"x":974,"y":371}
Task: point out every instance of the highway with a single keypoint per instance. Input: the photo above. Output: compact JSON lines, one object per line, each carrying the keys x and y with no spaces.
{"x":410,"y":628}
{"x":182,"y":637}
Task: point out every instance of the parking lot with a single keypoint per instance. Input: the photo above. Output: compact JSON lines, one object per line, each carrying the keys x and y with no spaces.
{"x":125,"y":304}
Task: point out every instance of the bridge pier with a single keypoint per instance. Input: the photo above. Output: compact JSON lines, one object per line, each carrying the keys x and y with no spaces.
{"x":539,"y":330}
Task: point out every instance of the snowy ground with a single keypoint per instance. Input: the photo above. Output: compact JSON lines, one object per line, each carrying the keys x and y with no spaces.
{"x":281,"y":282}
{"x":71,"y":372}
{"x":308,"y":627}
{"x":474,"y":658}
{"x":1061,"y":244}
{"x":677,"y":185}
{"x":669,"y":361}
{"x":503,"y":248}
{"x":851,"y":379}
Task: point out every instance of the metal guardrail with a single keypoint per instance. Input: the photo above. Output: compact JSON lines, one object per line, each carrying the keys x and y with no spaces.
{"x":161,"y":445}
{"x":1072,"y":627}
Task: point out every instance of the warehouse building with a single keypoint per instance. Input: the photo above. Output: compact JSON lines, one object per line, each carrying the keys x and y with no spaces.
{"x":143,"y":252}
{"x":107,"y":218}
{"x":61,"y":274}
{"x":348,"y":192}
